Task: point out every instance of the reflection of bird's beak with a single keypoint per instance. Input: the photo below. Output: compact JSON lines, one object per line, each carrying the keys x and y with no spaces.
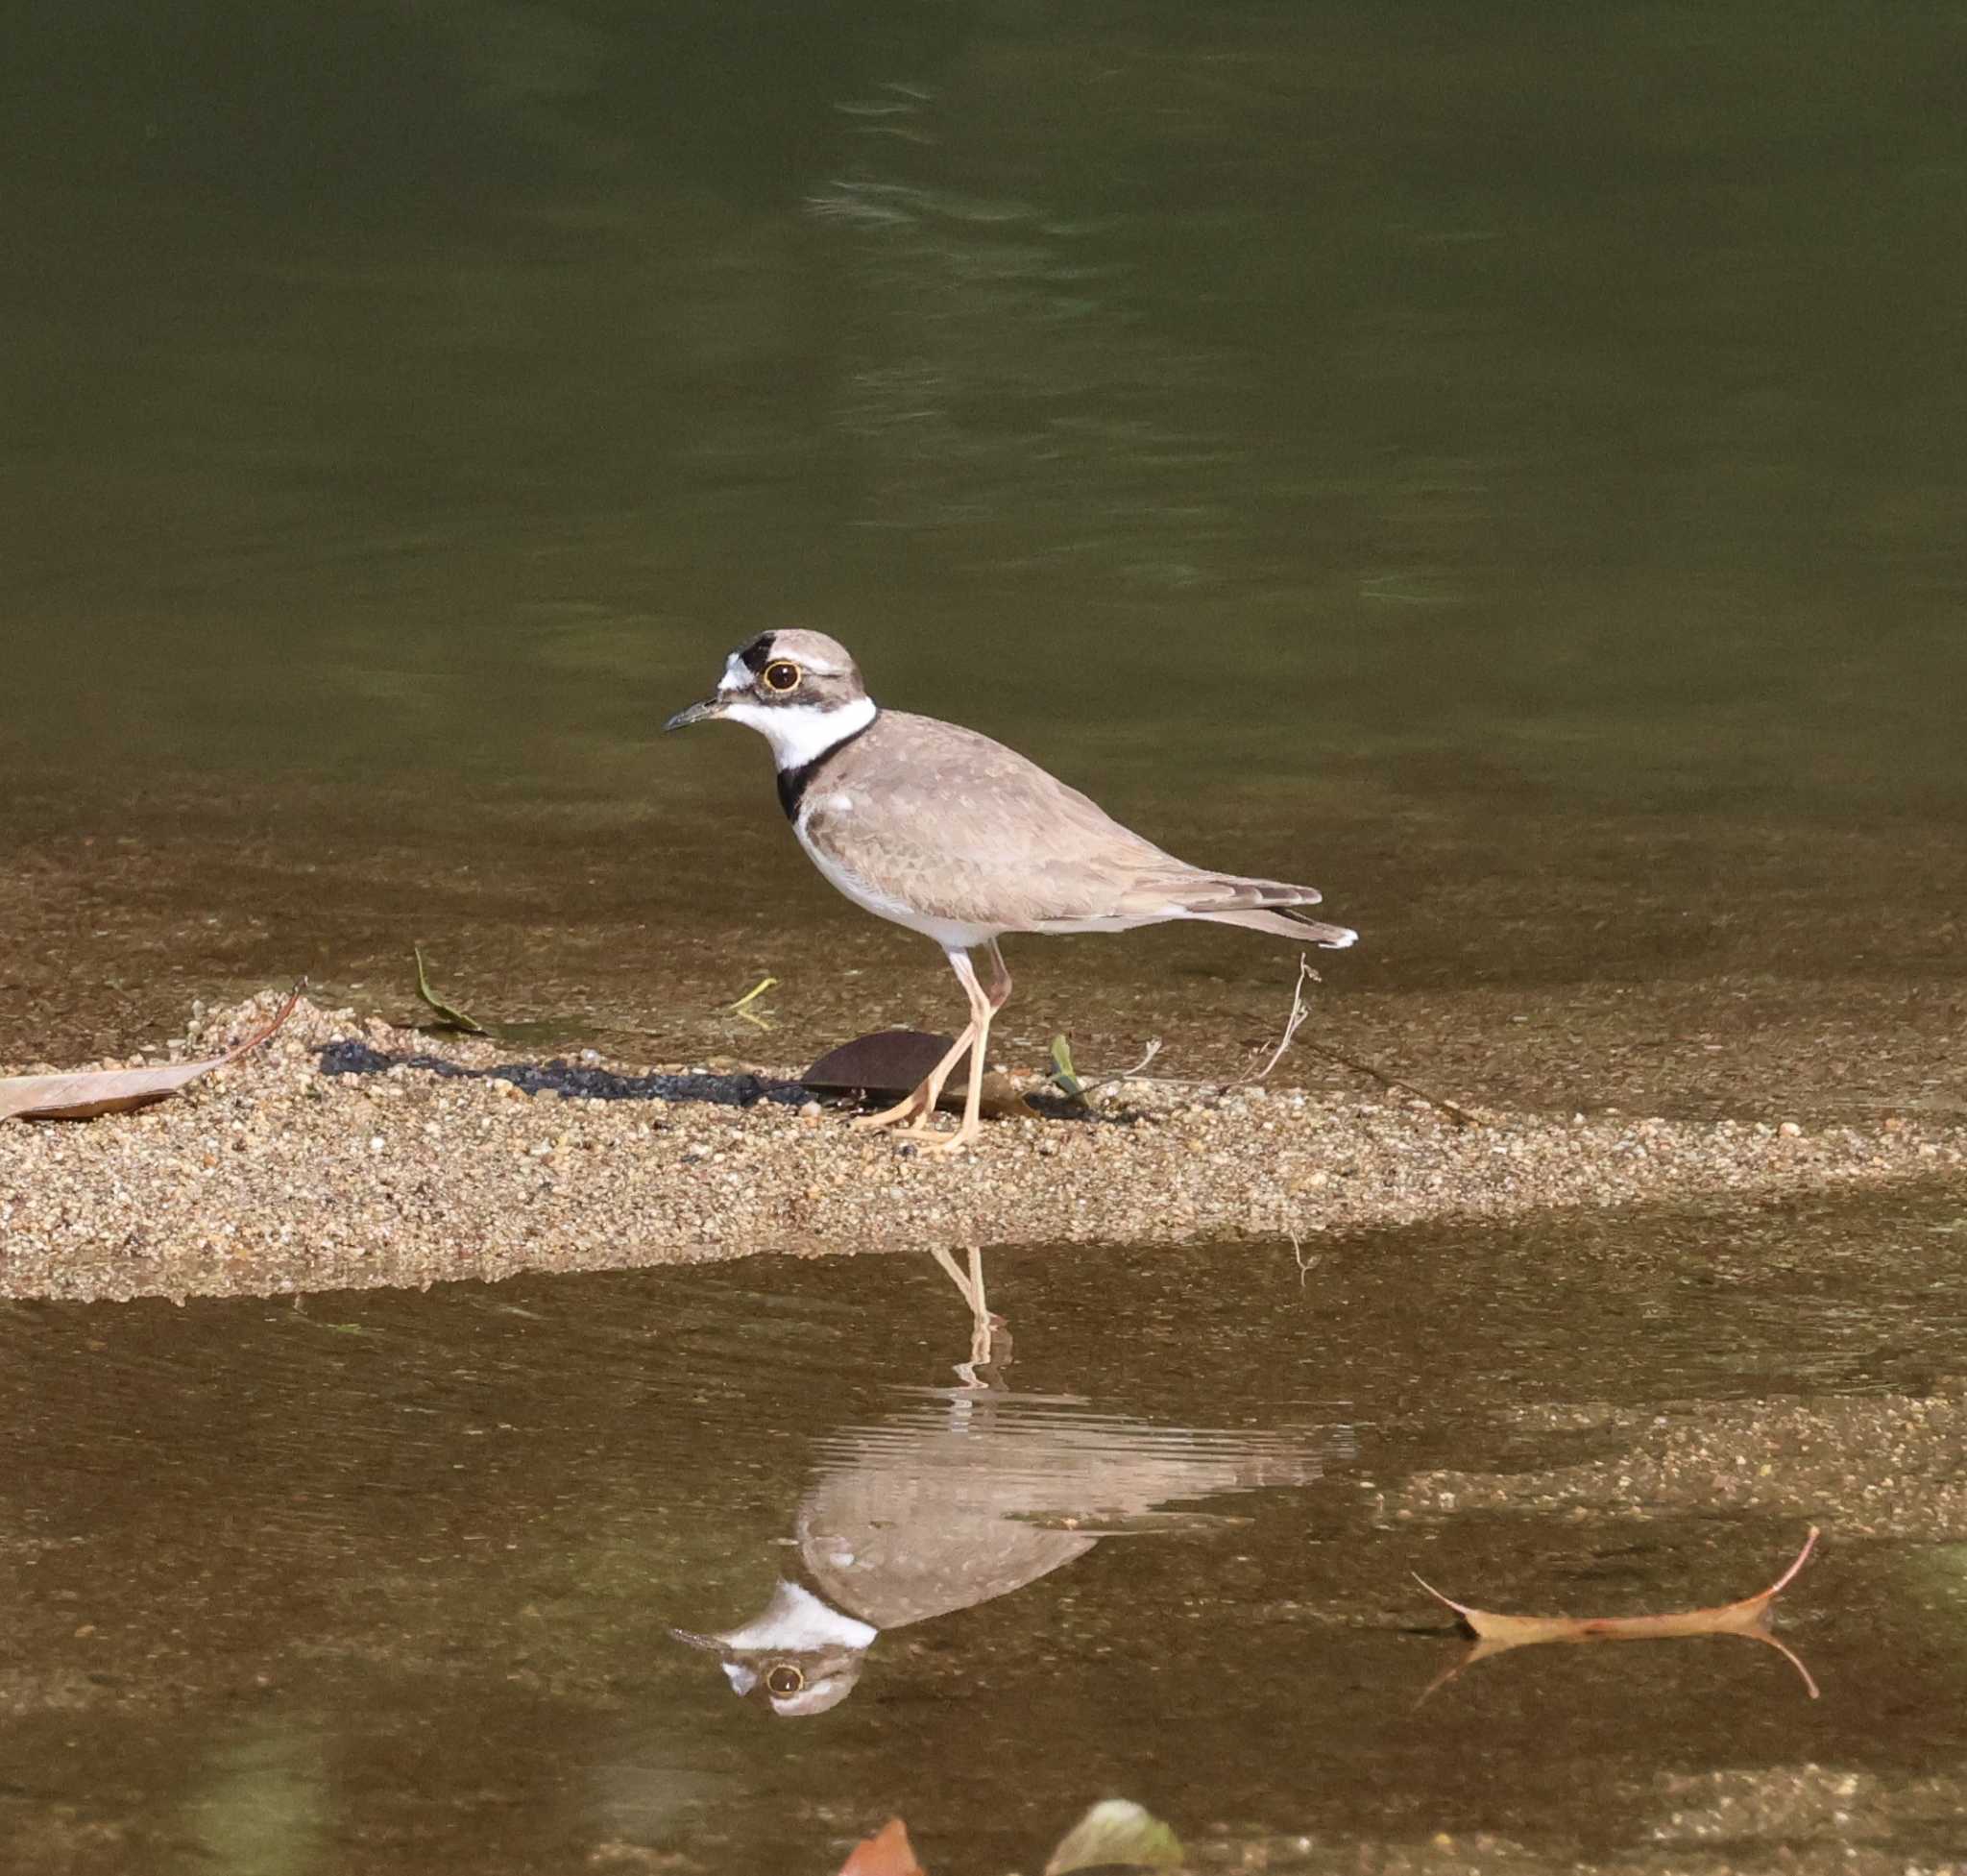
{"x":690,"y":1636}
{"x":697,"y":712}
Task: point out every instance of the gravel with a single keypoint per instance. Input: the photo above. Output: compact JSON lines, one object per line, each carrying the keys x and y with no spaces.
{"x":1878,"y":1466}
{"x":348,"y":1152}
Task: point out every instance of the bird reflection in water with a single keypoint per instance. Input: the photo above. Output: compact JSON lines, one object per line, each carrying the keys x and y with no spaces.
{"x":966,"y":1495}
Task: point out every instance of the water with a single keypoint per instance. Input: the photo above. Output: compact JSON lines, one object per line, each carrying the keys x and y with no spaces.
{"x":388,"y":1581}
{"x":1505,"y":469}
{"x":1502,"y":468}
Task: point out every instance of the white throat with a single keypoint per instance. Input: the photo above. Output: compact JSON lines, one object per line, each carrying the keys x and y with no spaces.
{"x":797,"y":1622}
{"x":800,"y":733}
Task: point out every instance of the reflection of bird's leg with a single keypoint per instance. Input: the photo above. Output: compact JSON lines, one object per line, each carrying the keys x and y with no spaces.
{"x":985,"y":1326}
{"x":982,"y":1324}
{"x":957,"y":1277}
{"x":917,"y":1106}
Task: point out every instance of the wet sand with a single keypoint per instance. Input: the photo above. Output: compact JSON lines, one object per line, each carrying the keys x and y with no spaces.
{"x":274,"y":1176}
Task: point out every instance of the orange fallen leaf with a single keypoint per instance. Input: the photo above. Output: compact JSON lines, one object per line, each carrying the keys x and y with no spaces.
{"x":90,"y":1093}
{"x":1496,"y":1634}
{"x":886,"y":1853}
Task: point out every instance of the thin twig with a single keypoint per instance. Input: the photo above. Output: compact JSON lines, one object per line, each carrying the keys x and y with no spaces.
{"x":1306,"y":1265}
{"x":1125,"y":1074}
{"x":1300,"y":1009}
{"x":1461,"y":1116}
{"x":1293,"y":1023}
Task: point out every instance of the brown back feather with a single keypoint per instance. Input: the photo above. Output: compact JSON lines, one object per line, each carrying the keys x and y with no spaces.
{"x":960,"y":827}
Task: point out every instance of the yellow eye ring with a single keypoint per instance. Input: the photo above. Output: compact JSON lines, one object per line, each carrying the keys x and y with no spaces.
{"x":782,"y":676}
{"x":784,"y":1680}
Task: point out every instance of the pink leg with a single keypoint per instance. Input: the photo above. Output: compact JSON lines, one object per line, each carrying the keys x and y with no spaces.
{"x":981,"y":1008}
{"x":916,"y":1108}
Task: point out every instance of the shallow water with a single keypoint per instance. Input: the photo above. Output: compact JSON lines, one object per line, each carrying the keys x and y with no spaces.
{"x":386,"y":1581}
{"x":1504,"y":469}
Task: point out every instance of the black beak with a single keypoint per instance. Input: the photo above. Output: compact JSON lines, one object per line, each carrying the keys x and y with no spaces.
{"x":697,"y":1641}
{"x":697,"y":712}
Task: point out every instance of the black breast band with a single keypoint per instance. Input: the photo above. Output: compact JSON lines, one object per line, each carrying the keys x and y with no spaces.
{"x":795,"y":782}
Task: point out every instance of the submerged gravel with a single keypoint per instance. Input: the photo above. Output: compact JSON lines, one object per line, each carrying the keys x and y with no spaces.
{"x":349,"y":1152}
{"x":1889,"y":1465}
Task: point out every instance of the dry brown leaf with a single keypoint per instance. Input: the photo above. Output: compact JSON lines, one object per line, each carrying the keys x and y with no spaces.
{"x":886,"y":1853}
{"x":90,"y":1093}
{"x":893,"y":1061}
{"x":890,"y":1062}
{"x":1496,"y":1634}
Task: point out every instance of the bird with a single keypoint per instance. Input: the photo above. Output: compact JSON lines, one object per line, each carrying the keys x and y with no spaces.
{"x":968,"y":1495}
{"x":951,"y":834}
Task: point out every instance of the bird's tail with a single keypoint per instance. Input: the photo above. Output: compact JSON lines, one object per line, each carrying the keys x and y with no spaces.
{"x":1286,"y":924}
{"x":1260,"y":905}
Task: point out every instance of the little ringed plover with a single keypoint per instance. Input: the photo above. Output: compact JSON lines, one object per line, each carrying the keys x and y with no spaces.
{"x":944,"y":831}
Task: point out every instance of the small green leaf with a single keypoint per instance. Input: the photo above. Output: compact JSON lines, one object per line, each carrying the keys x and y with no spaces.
{"x":1064,"y":1076}
{"x":1117,"y":1835}
{"x":448,"y":1017}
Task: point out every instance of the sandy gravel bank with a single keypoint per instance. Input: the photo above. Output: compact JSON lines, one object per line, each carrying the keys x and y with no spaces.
{"x":276,"y":1175}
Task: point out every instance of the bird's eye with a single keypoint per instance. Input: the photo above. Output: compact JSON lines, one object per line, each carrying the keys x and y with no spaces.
{"x":782,"y":676}
{"x":783,"y":1680}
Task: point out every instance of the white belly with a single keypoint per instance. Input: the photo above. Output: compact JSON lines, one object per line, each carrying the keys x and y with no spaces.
{"x":949,"y":933}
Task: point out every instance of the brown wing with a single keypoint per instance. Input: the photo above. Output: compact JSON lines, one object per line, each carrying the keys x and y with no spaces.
{"x":959,"y":827}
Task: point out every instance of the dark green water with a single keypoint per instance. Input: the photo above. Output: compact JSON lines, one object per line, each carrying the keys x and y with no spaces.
{"x":1504,"y":466}
{"x":385,"y":1581}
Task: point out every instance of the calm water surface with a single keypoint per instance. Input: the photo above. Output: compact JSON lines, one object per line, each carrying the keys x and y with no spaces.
{"x":387,"y":1582}
{"x":1506,"y":466}
{"x":1503,"y":467}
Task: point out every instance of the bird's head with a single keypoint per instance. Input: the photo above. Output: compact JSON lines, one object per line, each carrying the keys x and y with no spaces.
{"x":801,"y":1654}
{"x":801,"y":691}
{"x":796,"y":1686}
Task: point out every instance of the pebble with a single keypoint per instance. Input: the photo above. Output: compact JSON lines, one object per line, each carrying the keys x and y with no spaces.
{"x":505,"y":1181}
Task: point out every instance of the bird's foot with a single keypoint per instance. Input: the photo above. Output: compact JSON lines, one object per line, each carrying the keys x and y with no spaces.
{"x":927,"y":1138}
{"x":956,"y":1142}
{"x":923,"y":1134}
{"x":913,"y":1109}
